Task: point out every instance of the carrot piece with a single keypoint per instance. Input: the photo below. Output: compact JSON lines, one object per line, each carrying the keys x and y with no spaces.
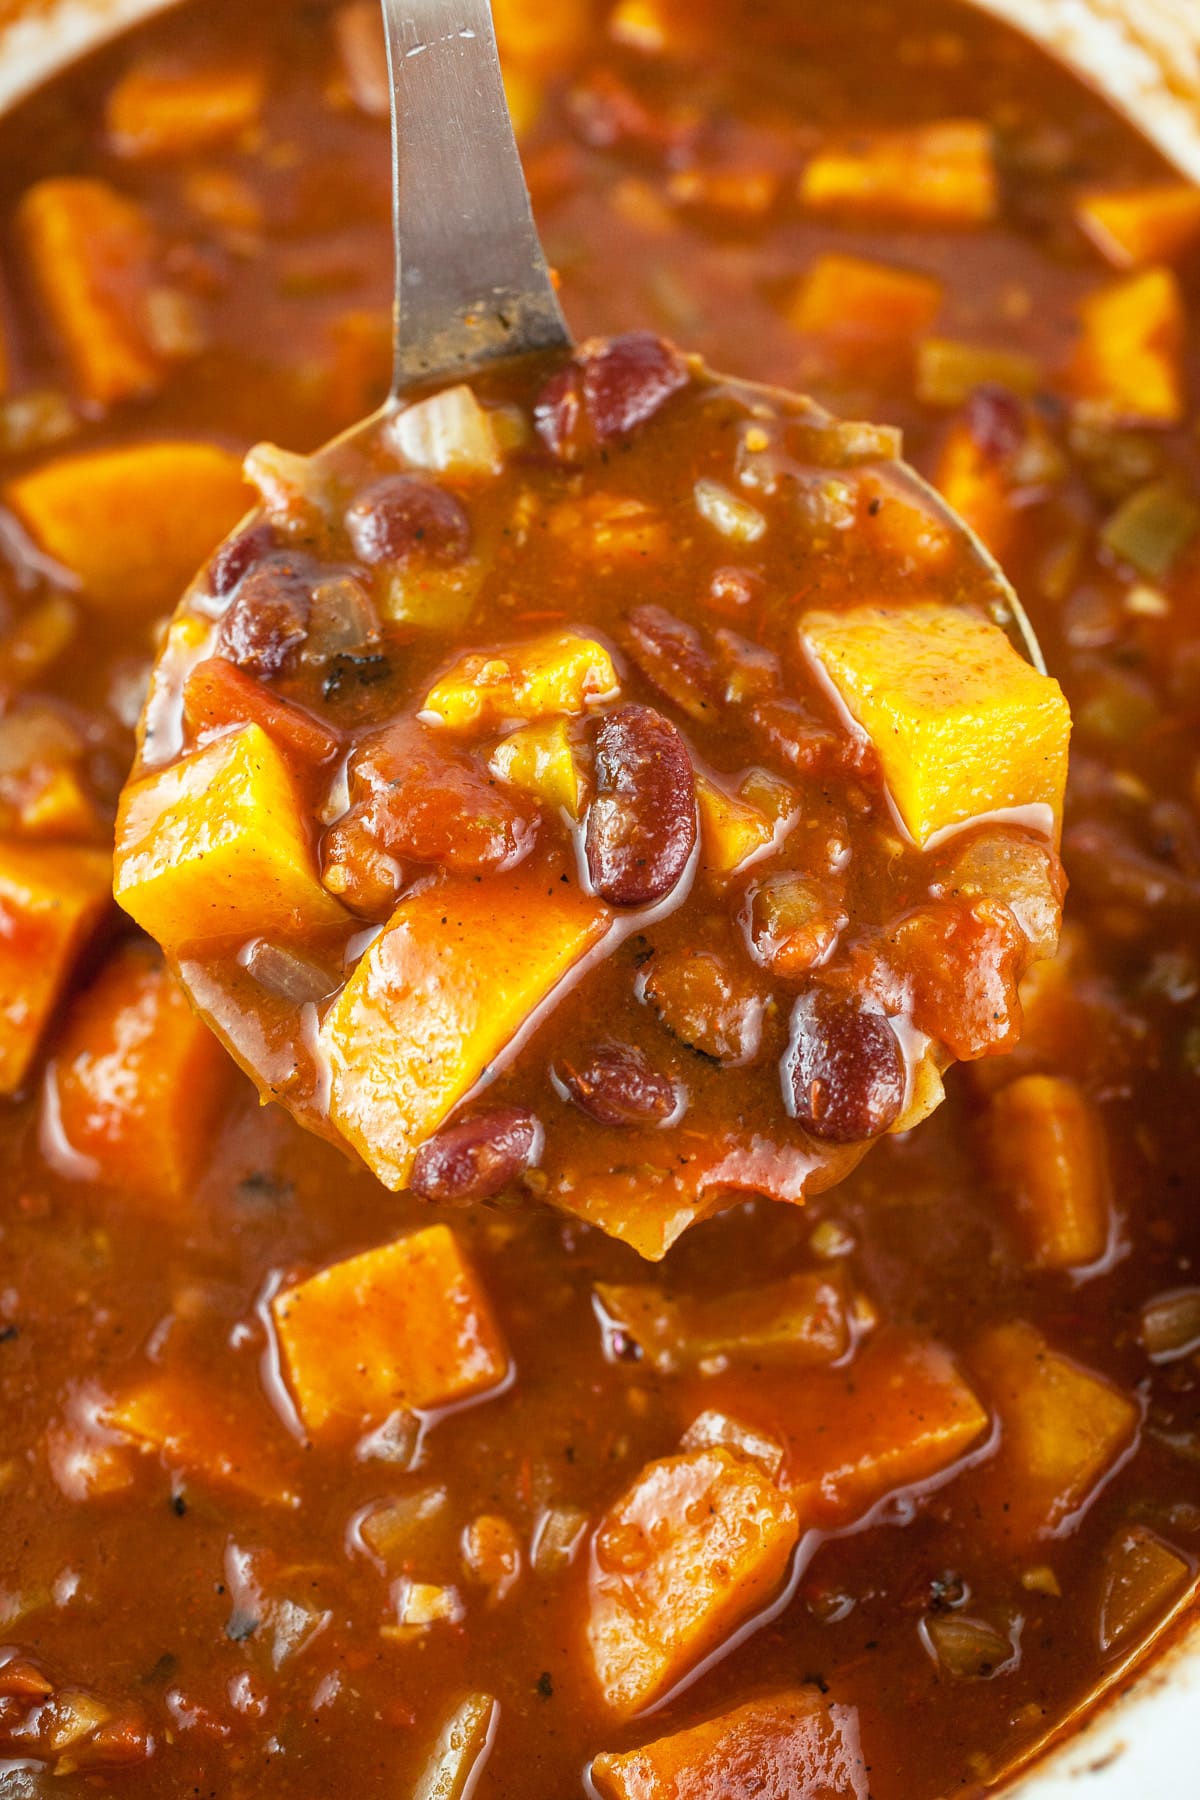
{"x":135,"y":523}
{"x":809,"y":1746}
{"x":457,"y":971}
{"x":937,"y":174}
{"x":52,"y":899}
{"x":1128,"y":360}
{"x":91,"y":253}
{"x":1050,"y":1163}
{"x":214,"y":850}
{"x":688,"y":1552}
{"x":217,"y":694}
{"x":136,"y":1079}
{"x":203,"y":1432}
{"x":1062,"y":1429}
{"x":1136,"y":226}
{"x":167,"y":108}
{"x":406,"y":1325}
{"x":859,"y":304}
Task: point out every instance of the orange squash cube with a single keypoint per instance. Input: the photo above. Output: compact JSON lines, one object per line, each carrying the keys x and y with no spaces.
{"x":456,"y":972}
{"x":731,"y":829}
{"x":802,"y":1745}
{"x":963,"y":725}
{"x":1128,"y":360}
{"x":697,"y":1545}
{"x":213,"y":849}
{"x":404,"y":1327}
{"x":860,"y":304}
{"x":1062,"y":1428}
{"x":135,"y":523}
{"x":91,"y":256}
{"x":975,"y":485}
{"x":137,"y":1078}
{"x":938,"y":174}
{"x":202,"y":1432}
{"x":52,"y":899}
{"x":1136,"y":226}
{"x":1050,"y":1163}
{"x":545,"y":676}
{"x":166,"y":108}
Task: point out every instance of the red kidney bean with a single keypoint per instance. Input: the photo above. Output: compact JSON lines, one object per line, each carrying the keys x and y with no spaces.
{"x":995,"y":419}
{"x":476,"y":1159}
{"x":267,"y":621}
{"x":610,"y":387}
{"x":673,"y":657}
{"x":641,"y":826}
{"x":616,"y":1084}
{"x":237,"y":556}
{"x":403,"y":516}
{"x":842,"y":1072}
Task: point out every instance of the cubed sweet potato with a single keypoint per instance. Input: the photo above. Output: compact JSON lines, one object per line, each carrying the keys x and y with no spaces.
{"x":859,"y":304}
{"x":214,"y":849}
{"x":162,"y":107}
{"x":557,"y":673}
{"x":52,"y":899}
{"x":731,"y":829}
{"x":962,"y":724}
{"x":456,"y":972}
{"x":938,"y":174}
{"x":1062,"y":1428}
{"x":402,"y":1327}
{"x":790,"y":1746}
{"x":1141,"y":1577}
{"x":1136,"y":226}
{"x":136,"y":1079}
{"x":541,"y":38}
{"x":1049,"y":1160}
{"x":975,"y":484}
{"x":1128,"y":361}
{"x":197,"y":1431}
{"x":542,"y":760}
{"x":802,"y":1318}
{"x":91,"y":254}
{"x":132,"y":524}
{"x":693,"y":1548}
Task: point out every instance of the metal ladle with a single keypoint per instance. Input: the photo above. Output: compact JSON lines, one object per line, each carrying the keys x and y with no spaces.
{"x":472,"y":283}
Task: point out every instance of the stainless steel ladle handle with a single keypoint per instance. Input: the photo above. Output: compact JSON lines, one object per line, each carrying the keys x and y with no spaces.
{"x":471,"y":279}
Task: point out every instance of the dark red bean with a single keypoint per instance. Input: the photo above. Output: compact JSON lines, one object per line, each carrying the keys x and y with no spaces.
{"x":616,"y":1084}
{"x":673,"y":657}
{"x":995,"y":419}
{"x":842,"y":1072}
{"x":403,"y":516}
{"x":267,"y":621}
{"x":612,"y":386}
{"x":641,"y":826}
{"x":236,"y":557}
{"x":476,"y":1159}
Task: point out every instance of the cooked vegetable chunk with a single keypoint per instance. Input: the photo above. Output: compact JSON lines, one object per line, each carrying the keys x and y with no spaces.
{"x":172,"y":108}
{"x":558,"y":673}
{"x":52,"y":898}
{"x":137,"y":1079}
{"x":961,"y":723}
{"x":1128,"y":361}
{"x":937,"y":174}
{"x":460,"y":1751}
{"x":91,"y":255}
{"x":693,"y":1548}
{"x":802,"y":1318}
{"x":863,"y":305}
{"x":1141,"y":1576}
{"x":132,"y":524}
{"x":792,"y":1746}
{"x":403,"y":1327}
{"x":731,"y":829}
{"x":213,"y":849}
{"x":210,"y":1434}
{"x":1062,"y":1429}
{"x":457,"y":971}
{"x":1050,"y":1163}
{"x":542,"y":760}
{"x":1136,"y":226}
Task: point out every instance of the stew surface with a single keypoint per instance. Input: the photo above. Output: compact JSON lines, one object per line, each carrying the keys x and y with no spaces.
{"x":304,"y":1480}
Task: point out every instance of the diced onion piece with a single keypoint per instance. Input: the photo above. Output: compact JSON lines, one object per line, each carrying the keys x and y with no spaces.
{"x":342,"y":619}
{"x":291,"y":487}
{"x":948,"y":371}
{"x":1171,"y":1325}
{"x":286,"y":974}
{"x":451,"y":433}
{"x":35,"y":420}
{"x":725,"y":512}
{"x":1141,"y":1576}
{"x":1151,"y":529}
{"x":712,"y":1427}
{"x":556,"y":1538}
{"x":395,"y":1528}
{"x":967,"y":1649}
{"x":460,"y":1751}
{"x":422,"y":1604}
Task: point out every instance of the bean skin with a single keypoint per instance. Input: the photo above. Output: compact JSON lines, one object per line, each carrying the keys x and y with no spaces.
{"x":610,"y":388}
{"x":842,"y":1072}
{"x":616,"y":1084}
{"x":641,"y":826}
{"x":237,"y":556}
{"x":267,"y":621}
{"x":403,"y":516}
{"x":477,"y":1158}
